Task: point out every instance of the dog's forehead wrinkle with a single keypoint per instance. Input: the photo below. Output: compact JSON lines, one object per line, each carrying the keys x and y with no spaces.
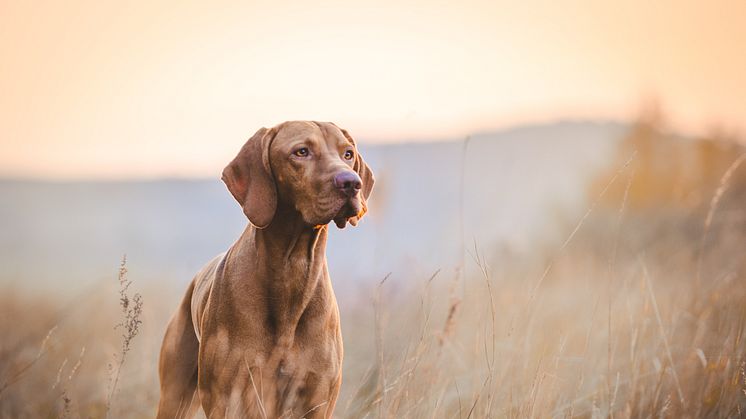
{"x":316,"y":133}
{"x":332,"y":134}
{"x":294,"y":129}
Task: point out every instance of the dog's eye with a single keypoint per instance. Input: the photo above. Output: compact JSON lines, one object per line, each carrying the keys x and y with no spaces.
{"x":301,"y":152}
{"x":349,"y":154}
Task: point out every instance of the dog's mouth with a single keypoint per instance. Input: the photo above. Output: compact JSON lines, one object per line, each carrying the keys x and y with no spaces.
{"x":351,"y":210}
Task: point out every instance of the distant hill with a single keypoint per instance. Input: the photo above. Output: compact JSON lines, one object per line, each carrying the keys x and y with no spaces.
{"x":70,"y":234}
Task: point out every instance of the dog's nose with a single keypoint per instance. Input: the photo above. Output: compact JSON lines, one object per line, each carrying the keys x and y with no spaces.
{"x":348,"y":182}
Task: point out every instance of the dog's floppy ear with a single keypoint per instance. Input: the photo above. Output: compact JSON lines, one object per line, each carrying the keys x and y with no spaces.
{"x":366,"y":175}
{"x":249,"y":179}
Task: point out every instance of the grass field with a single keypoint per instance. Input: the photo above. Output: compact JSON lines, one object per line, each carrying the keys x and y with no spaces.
{"x":634,"y":313}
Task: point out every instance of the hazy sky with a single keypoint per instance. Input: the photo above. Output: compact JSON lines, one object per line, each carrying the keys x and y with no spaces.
{"x":172,"y":88}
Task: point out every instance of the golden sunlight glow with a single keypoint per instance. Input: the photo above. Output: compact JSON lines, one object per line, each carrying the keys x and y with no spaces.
{"x":119,"y":89}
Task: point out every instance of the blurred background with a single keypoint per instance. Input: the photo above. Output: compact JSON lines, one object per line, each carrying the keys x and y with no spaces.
{"x":559,"y":210}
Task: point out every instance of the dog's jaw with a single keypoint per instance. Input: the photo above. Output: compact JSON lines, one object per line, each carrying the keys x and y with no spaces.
{"x":350,"y":211}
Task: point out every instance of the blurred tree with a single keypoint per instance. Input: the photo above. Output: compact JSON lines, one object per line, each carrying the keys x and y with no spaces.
{"x":669,"y":171}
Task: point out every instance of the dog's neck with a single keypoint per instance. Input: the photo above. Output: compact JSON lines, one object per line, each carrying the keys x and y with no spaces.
{"x":290,"y":239}
{"x":288,"y":260}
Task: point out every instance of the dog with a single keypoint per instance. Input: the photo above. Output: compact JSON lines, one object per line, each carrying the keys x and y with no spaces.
{"x":258,"y":332}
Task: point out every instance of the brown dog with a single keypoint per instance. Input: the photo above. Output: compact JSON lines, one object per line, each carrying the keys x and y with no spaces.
{"x":257,"y":333}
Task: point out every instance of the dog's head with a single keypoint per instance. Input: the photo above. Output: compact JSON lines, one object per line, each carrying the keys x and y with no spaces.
{"x":313,"y":168}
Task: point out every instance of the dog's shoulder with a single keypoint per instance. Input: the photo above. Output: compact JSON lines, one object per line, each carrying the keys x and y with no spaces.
{"x":203,"y":282}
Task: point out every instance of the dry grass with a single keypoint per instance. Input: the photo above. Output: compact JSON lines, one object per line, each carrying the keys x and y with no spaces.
{"x":643,"y":339}
{"x":640,"y":315}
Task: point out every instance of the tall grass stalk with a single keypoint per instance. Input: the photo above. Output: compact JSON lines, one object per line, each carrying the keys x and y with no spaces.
{"x":131,"y":310}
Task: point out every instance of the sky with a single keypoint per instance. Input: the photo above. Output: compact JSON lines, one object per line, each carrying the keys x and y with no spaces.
{"x":108,"y":90}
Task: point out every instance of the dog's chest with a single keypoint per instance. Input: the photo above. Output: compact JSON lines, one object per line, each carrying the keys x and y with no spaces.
{"x":288,"y":377}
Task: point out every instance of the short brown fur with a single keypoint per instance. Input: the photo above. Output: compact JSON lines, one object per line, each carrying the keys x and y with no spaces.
{"x":258,"y":332}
